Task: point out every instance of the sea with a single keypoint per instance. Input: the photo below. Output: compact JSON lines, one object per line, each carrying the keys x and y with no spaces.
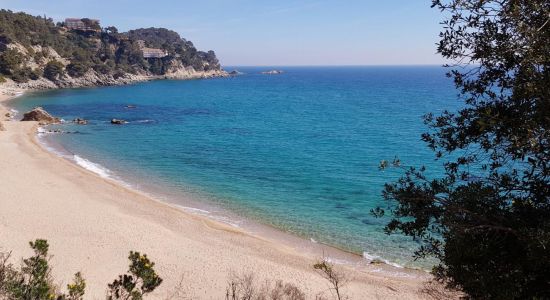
{"x":298,"y":151}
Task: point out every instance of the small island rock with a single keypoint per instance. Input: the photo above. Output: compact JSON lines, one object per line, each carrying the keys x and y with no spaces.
{"x":273,"y":72}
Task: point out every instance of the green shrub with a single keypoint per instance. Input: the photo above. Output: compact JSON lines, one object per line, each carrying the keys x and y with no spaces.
{"x":21,"y":75}
{"x":140,"y":280}
{"x":2,"y":78}
{"x":102,"y":68}
{"x":77,"y":69}
{"x":53,"y":70}
{"x":35,"y":74}
{"x":10,"y":61}
{"x":33,"y":280}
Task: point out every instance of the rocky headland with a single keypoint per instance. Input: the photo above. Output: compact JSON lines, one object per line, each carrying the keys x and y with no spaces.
{"x":36,"y":53}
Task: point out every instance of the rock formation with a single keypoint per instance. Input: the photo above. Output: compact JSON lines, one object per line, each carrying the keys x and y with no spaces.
{"x":40,"y":115}
{"x":118,"y":121}
{"x":80,"y":121}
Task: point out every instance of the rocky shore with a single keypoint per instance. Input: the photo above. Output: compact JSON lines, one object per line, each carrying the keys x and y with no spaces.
{"x":92,"y":79}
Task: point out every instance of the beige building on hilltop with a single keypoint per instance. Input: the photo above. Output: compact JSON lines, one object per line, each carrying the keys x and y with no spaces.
{"x":151,"y":52}
{"x":79,"y":24}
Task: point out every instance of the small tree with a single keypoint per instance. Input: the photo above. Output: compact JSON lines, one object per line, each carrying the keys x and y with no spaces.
{"x":53,"y":70}
{"x":487,"y":218}
{"x":140,"y":280}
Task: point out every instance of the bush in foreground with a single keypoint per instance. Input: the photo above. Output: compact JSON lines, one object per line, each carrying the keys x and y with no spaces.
{"x":33,"y":281}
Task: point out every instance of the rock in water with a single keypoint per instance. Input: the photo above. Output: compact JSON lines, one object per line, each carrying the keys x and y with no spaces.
{"x":40,"y":115}
{"x":273,"y":72}
{"x":80,"y":121}
{"x":118,"y":122}
{"x":235,"y":72}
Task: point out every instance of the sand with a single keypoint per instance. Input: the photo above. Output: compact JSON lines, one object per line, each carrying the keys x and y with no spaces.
{"x":92,"y":223}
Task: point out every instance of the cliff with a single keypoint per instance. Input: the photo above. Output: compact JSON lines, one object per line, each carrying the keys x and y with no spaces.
{"x":38,"y":54}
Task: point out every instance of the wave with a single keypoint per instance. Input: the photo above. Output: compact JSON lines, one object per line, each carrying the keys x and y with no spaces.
{"x":93,"y":167}
{"x":372,"y":258}
{"x":143,"y":121}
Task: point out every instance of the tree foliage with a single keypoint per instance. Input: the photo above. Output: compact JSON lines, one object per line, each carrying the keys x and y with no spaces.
{"x":105,"y":51}
{"x":140,"y":280}
{"x":10,"y":61}
{"x":487,"y":219}
{"x":53,"y":70}
{"x":33,"y":280}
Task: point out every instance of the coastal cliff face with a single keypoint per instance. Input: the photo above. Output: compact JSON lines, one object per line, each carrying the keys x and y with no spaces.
{"x":35,"y":53}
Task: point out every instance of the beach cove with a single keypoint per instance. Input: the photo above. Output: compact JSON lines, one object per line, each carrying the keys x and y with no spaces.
{"x":92,"y":223}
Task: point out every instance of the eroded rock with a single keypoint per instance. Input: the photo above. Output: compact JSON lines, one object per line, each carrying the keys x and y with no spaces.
{"x":40,"y":115}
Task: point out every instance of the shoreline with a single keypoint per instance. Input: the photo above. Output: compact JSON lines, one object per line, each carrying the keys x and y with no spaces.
{"x":203,"y":207}
{"x":371,"y":280}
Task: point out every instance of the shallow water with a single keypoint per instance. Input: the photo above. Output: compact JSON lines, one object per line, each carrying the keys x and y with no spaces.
{"x":298,"y":151}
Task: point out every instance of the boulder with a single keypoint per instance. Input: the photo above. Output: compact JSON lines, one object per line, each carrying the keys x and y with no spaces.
{"x":118,"y":122}
{"x":40,"y":115}
{"x":80,"y":121}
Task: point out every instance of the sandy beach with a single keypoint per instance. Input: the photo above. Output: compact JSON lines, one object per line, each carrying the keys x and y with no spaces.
{"x":92,"y":223}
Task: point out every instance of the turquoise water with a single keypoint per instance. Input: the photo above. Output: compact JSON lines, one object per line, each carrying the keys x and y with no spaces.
{"x":299,"y":151}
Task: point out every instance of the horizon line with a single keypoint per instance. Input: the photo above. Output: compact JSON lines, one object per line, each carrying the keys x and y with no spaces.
{"x":343,"y":65}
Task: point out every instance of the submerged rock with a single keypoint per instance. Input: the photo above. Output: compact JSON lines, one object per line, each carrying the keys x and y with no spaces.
{"x":40,"y":115}
{"x":131,"y":106}
{"x":80,"y":121}
{"x":118,"y":122}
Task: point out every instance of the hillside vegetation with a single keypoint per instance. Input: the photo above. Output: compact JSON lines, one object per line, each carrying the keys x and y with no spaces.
{"x":33,"y":48}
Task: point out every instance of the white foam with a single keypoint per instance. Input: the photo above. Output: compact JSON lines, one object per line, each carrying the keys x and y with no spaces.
{"x":211,"y":215}
{"x":371,"y":258}
{"x":93,"y":167}
{"x":195,"y":210}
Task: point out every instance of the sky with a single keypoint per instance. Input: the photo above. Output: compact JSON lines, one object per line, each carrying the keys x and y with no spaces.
{"x":274,"y":33}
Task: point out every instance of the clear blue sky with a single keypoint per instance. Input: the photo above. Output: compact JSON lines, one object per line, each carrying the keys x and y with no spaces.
{"x":282,"y":32}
